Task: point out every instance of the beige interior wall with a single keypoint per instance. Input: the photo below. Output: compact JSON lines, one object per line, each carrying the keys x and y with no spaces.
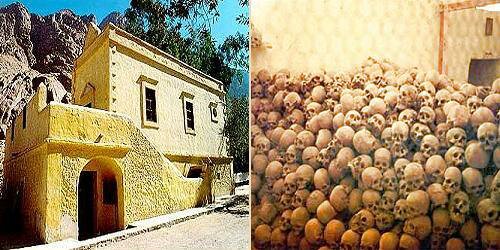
{"x":466,"y":40}
{"x":309,"y":35}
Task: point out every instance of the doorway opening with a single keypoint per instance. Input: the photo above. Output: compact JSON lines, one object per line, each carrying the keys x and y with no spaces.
{"x":100,"y":199}
{"x":483,"y":71}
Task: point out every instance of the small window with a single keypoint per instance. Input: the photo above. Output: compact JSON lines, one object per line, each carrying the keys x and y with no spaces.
{"x":213,"y":111}
{"x":24,"y":117}
{"x":189,"y":115}
{"x":109,"y":191}
{"x":150,"y":105}
{"x":489,"y":27}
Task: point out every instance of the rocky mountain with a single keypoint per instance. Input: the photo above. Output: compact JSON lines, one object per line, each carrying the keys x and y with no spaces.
{"x":114,"y":17}
{"x":36,"y":50}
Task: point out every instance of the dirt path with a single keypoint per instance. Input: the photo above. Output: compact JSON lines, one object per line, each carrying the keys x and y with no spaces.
{"x":226,"y":229}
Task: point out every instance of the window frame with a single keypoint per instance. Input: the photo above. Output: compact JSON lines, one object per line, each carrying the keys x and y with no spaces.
{"x":152,"y":85}
{"x":186,"y":97}
{"x":213,"y":117}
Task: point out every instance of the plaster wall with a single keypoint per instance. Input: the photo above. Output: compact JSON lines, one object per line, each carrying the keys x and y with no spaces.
{"x":93,"y":67}
{"x":170,"y":136}
{"x":466,"y":40}
{"x":337,"y":35}
{"x":306,"y":35}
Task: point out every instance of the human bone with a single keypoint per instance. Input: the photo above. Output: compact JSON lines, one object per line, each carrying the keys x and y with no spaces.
{"x":393,"y":144}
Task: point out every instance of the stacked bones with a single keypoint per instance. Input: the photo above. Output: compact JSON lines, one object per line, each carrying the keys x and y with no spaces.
{"x":378,"y":157}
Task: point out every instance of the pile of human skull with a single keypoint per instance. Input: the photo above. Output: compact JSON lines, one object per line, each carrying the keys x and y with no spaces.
{"x":378,"y":157}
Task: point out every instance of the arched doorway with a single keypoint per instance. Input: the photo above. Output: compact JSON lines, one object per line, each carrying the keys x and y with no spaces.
{"x":100,"y":198}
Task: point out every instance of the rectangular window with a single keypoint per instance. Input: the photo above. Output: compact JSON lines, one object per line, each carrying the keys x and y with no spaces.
{"x":109,"y":191}
{"x":150,"y":105}
{"x":24,"y":117}
{"x":489,"y":26}
{"x":189,"y":115}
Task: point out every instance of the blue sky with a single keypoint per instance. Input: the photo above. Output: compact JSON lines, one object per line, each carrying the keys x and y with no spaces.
{"x":226,"y":24}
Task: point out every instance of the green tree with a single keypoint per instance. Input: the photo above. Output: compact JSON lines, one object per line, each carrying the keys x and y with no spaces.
{"x":182,"y":28}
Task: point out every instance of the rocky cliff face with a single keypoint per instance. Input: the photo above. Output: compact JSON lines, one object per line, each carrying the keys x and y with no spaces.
{"x":36,"y":50}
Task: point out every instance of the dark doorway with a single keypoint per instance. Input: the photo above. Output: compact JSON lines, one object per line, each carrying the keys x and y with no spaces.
{"x":483,"y":71}
{"x":87,"y":205}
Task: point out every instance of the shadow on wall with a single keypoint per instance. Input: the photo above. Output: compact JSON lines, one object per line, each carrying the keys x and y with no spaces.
{"x":483,"y":71}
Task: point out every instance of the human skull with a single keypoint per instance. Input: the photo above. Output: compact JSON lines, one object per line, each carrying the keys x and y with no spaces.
{"x":372,"y":178}
{"x":370,"y":239}
{"x":420,"y":227}
{"x":441,"y":222}
{"x":456,"y":137}
{"x":345,"y":135}
{"x":473,"y":181}
{"x":371,"y":200}
{"x":488,"y":212}
{"x":434,"y":169}
{"x":325,"y":212}
{"x":495,"y":189}
{"x":489,"y":236}
{"x":452,"y":180}
{"x":384,"y":220}
{"x":364,"y":141}
{"x":399,"y":166}
{"x":353,"y":119}
{"x":304,"y":139}
{"x":414,"y":176}
{"x":299,"y":218}
{"x":455,"y":157}
{"x":362,"y":221}
{"x":386,"y":137}
{"x":333,"y":233}
{"x":273,"y":172}
{"x":358,"y":164}
{"x":442,"y":97}
{"x":476,"y":156}
{"x":388,"y":201}
{"x":349,"y":240}
{"x":401,"y":210}
{"x":399,"y":132}
{"x":437,"y":195}
{"x":292,"y":100}
{"x":487,"y":135}
{"x":418,"y":131}
{"x":429,"y":146}
{"x":284,"y":222}
{"x":305,"y":175}
{"x":389,"y":180}
{"x":426,"y":115}
{"x":376,"y":123}
{"x":389,"y":241}
{"x":418,"y":203}
{"x":408,"y":116}
{"x":469,"y":233}
{"x":314,"y":200}
{"x":262,"y":236}
{"x":339,"y":198}
{"x":382,"y":159}
{"x":409,"y":242}
{"x":310,"y":156}
{"x":459,"y":206}
{"x":355,"y":202}
{"x":314,"y":231}
{"x":322,"y":180}
{"x":286,"y":201}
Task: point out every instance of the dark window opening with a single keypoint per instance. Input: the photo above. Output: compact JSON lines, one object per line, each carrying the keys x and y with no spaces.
{"x":483,"y":71}
{"x":195,"y":172}
{"x":488,"y":27}
{"x":150,"y":105}
{"x":189,"y":115}
{"x":24,"y":117}
{"x":109,"y":191}
{"x":89,"y":105}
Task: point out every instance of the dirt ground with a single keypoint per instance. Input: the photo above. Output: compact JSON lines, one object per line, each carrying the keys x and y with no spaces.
{"x":228,"y":228}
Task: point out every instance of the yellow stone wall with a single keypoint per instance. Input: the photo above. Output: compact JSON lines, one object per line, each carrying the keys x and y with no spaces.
{"x":308,"y":35}
{"x":50,"y":168}
{"x":123,"y":60}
